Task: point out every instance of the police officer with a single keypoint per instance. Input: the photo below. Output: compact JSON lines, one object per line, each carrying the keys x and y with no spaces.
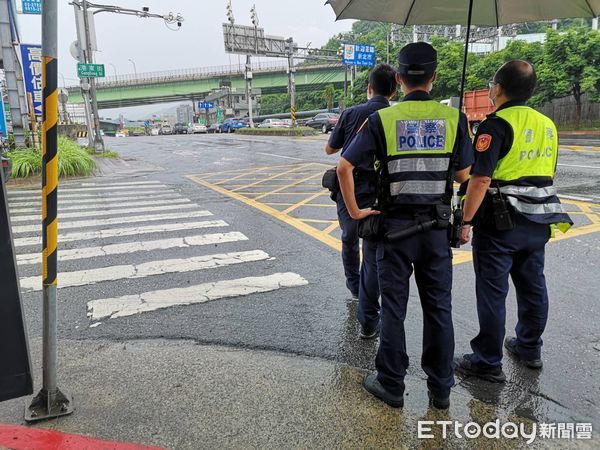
{"x":512,"y":204}
{"x":418,"y":144}
{"x":361,"y":280}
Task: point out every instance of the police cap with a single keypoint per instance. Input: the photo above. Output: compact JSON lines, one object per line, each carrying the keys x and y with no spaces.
{"x":418,"y":58}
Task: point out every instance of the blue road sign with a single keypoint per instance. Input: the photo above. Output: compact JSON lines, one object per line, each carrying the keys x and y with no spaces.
{"x":32,"y":72}
{"x":359,"y":55}
{"x":31,"y":6}
{"x":3,"y":130}
{"x":206,"y":105}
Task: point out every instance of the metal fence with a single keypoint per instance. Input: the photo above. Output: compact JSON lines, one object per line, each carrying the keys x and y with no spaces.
{"x":563,"y":111}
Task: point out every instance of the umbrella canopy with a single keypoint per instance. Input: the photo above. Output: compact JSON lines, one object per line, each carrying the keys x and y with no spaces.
{"x":451,"y":12}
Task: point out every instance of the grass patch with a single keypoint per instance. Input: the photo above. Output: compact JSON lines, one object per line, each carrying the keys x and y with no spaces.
{"x":583,"y":127}
{"x":72,"y":161}
{"x":300,"y":131}
{"x":110,"y":154}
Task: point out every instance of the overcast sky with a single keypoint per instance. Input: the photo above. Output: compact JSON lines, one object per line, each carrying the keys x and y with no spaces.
{"x":199,"y":43}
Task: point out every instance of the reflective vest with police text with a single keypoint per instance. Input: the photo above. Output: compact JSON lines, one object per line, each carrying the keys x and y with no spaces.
{"x":525,"y":175}
{"x":420,"y":137}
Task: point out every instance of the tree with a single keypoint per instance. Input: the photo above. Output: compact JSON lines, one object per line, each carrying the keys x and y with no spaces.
{"x":570,"y":67}
{"x":329,"y":96}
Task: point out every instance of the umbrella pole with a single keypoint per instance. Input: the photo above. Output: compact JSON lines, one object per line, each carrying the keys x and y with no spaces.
{"x":464,"y":69}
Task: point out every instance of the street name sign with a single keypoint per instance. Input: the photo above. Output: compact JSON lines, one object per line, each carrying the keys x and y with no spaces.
{"x":359,"y":55}
{"x":206,"y":105}
{"x":90,"y":70}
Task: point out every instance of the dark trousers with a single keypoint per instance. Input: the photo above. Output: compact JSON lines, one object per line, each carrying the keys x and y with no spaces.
{"x":361,"y":280}
{"x":430,"y":255}
{"x":520,"y":254}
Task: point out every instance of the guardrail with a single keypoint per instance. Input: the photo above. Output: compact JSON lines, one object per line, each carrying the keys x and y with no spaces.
{"x":199,"y":73}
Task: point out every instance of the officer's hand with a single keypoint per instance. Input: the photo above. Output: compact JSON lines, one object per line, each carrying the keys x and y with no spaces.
{"x":364,"y":213}
{"x":465,"y":234}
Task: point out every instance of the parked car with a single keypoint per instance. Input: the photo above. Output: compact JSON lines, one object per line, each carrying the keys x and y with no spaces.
{"x":230,"y":125}
{"x":198,"y":128}
{"x":214,"y":128}
{"x":271,"y":123}
{"x":154,"y":131}
{"x":166,"y":129}
{"x":324,"y":122}
{"x":287,"y":123}
{"x":180,"y":128}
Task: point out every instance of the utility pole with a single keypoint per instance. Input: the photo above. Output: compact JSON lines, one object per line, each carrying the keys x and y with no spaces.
{"x":50,"y":401}
{"x":13,"y":73}
{"x":249,"y":89}
{"x":89,"y":59}
{"x":292,"y":81}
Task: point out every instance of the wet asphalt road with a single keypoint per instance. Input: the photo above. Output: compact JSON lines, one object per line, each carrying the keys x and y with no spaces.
{"x":317,"y":320}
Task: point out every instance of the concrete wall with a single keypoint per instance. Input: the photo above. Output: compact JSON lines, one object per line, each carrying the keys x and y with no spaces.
{"x":563,"y":111}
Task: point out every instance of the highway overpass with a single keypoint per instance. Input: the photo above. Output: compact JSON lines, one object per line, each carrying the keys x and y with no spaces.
{"x":194,"y":84}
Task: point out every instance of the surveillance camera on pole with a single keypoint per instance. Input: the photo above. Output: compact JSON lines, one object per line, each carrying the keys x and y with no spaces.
{"x":230,"y":13}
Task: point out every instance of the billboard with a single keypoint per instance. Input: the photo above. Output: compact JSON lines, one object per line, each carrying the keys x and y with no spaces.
{"x":31,"y":56}
{"x":29,"y":6}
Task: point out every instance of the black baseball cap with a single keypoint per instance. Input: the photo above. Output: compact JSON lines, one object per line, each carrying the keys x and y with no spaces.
{"x":418,"y":58}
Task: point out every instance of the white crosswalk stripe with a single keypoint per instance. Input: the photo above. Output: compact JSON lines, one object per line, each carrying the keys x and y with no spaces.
{"x":130,"y":271}
{"x":133,"y":247}
{"x":114,"y":221}
{"x":99,"y":201}
{"x":124,"y":210}
{"x":106,"y":212}
{"x":121,"y":232}
{"x":130,"y":305}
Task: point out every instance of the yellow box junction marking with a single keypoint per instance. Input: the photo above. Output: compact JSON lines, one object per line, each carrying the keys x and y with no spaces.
{"x":281,"y":182}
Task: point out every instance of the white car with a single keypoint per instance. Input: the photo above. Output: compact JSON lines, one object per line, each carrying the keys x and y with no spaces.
{"x":272,"y":123}
{"x":154,"y":132}
{"x":199,"y":128}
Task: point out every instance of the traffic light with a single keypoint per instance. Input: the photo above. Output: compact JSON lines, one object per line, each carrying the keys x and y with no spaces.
{"x":230,"y":13}
{"x":254,"y":16}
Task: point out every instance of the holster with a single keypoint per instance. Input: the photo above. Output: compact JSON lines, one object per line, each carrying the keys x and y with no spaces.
{"x":330,"y":180}
{"x":502,"y":212}
{"x":371,"y":228}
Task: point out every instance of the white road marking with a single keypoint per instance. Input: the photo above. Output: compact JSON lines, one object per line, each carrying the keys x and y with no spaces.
{"x":97,"y":207}
{"x":280,"y":156}
{"x":114,"y":221}
{"x":129,"y":272}
{"x":68,"y":190}
{"x":130,"y":305}
{"x":133,"y":247}
{"x":575,"y":197}
{"x":106,"y":212}
{"x":120,"y":183}
{"x":578,"y":166}
{"x":119,"y":232}
{"x":99,"y":195}
{"x":100,"y":201}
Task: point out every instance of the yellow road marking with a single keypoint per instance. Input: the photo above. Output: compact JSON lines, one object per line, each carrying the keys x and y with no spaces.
{"x":318,"y":221}
{"x":304,"y":202}
{"x":579,"y":149}
{"x":241,"y":188}
{"x":296,"y":223}
{"x":331,"y":228}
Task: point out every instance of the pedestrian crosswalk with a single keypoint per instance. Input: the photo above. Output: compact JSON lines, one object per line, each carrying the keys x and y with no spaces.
{"x":126,"y":236}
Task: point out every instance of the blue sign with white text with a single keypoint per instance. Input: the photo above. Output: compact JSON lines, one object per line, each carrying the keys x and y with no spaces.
{"x":359,"y":55}
{"x":32,"y":6}
{"x":3,"y":131}
{"x":206,"y":105}
{"x":32,"y":72}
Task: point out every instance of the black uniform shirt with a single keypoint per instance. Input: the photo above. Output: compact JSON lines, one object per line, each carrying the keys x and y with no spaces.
{"x":370,"y":142}
{"x":493,"y":141}
{"x":350,"y":122}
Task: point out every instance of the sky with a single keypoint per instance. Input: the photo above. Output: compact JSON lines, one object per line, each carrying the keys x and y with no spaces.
{"x":199,"y":43}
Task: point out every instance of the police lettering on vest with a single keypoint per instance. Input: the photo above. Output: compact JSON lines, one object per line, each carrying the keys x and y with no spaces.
{"x":420,"y":137}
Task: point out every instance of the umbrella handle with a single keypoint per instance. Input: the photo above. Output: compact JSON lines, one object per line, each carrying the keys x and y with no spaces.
{"x":464,"y":69}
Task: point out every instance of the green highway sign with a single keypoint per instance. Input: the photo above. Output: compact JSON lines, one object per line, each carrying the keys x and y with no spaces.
{"x":90,"y":70}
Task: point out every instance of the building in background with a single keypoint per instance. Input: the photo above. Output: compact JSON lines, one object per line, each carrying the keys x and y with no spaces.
{"x":185,"y":114}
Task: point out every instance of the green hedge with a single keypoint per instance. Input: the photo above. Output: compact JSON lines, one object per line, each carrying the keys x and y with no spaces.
{"x":300,"y":131}
{"x":72,"y":160}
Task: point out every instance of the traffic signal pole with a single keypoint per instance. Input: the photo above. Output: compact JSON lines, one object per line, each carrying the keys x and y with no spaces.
{"x":50,"y":401}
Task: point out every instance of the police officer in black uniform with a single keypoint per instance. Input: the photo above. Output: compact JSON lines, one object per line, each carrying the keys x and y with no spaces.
{"x":421,"y":146}
{"x":361,"y":280}
{"x":513,"y":205}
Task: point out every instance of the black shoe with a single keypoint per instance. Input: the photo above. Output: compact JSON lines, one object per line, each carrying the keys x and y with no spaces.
{"x":368,"y":333}
{"x":375,"y":388}
{"x":466,"y":367}
{"x":438,"y":402}
{"x":510,"y":344}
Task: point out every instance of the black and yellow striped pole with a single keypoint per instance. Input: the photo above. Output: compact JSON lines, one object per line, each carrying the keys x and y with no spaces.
{"x":50,"y":401}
